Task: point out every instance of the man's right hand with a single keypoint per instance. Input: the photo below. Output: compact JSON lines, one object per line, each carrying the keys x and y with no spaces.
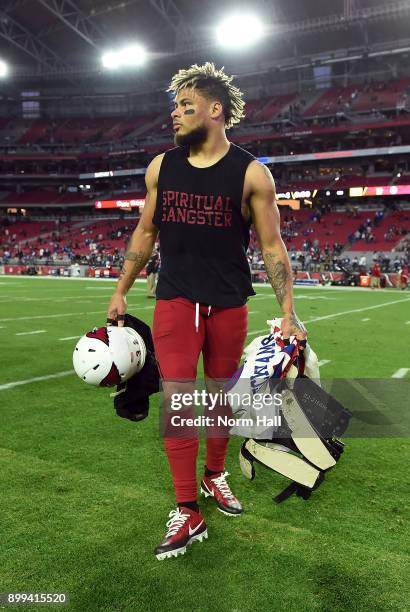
{"x":117,"y":308}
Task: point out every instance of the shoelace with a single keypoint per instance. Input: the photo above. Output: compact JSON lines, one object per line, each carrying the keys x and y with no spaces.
{"x":223,"y":485}
{"x":177,"y":519}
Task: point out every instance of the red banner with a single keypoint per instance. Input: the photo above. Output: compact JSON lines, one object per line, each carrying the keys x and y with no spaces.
{"x":138,"y":203}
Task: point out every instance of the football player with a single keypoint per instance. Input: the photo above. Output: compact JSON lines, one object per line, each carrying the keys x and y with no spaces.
{"x":202,"y":197}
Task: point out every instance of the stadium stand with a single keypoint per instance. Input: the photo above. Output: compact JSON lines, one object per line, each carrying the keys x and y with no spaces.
{"x":79,"y":130}
{"x":387,"y":234}
{"x":301,"y":230}
{"x":35,"y":133}
{"x":270,"y":108}
{"x":317,"y":237}
{"x":44,"y":197}
{"x":299,"y":107}
{"x":380,"y":95}
{"x":371,"y":96}
{"x":41,"y":196}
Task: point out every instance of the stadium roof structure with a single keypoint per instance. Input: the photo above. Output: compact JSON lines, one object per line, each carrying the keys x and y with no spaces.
{"x":65,"y":39}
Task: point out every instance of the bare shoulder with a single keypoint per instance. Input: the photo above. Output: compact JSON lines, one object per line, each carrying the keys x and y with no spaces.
{"x":259,"y":176}
{"x":152,"y":172}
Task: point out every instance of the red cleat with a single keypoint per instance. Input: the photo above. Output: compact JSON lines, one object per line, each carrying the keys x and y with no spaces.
{"x":184,"y":527}
{"x":217,"y":487}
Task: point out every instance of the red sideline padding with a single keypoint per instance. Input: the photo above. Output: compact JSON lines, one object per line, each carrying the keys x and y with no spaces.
{"x":109,"y":273}
{"x":392,"y":279}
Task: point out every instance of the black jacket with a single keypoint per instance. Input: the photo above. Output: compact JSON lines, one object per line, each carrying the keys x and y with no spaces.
{"x":132,"y":398}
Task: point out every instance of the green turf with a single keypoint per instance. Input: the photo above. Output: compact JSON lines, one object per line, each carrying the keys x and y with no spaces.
{"x":85,"y":495}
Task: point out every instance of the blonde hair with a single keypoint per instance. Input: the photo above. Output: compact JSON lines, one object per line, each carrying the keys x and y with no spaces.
{"x":212,"y":83}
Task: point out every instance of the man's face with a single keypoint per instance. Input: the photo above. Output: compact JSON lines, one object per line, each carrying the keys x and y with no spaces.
{"x":189,"y":118}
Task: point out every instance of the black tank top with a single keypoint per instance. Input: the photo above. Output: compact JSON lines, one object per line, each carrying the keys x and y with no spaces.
{"x":203,"y":235}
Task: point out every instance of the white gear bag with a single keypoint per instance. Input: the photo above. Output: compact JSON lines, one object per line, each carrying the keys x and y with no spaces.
{"x":295,"y":438}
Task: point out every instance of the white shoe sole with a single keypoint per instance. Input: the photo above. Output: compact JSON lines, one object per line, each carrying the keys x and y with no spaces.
{"x":206,"y":494}
{"x":182,"y":550}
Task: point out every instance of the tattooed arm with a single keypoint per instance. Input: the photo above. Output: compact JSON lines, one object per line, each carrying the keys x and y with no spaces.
{"x":140,"y":246}
{"x":260,"y":186}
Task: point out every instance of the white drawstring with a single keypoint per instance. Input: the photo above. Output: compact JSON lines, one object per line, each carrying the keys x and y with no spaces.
{"x":197,"y":315}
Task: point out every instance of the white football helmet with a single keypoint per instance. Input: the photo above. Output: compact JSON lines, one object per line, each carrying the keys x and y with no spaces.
{"x":108,"y":356}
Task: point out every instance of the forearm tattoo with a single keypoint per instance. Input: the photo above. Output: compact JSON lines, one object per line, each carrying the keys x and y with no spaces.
{"x":295,"y":321}
{"x":139,"y":262}
{"x":278,"y":276}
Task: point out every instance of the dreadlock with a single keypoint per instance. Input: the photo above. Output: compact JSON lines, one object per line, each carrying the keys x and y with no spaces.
{"x":212,"y":83}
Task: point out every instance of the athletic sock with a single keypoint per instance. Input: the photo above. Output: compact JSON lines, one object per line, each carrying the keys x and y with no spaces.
{"x":192,"y":505}
{"x":209,"y":473}
{"x":182,"y":453}
{"x":215,"y":454}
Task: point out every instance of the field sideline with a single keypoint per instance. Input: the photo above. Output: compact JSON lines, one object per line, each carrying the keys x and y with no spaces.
{"x":85,"y":495}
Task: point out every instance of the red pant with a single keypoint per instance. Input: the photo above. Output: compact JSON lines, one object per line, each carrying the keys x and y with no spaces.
{"x":179,"y":337}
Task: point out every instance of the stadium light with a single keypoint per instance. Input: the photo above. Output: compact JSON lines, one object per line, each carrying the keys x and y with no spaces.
{"x":239,"y":31}
{"x":3,"y":69}
{"x":131,"y":56}
{"x":110,"y":60}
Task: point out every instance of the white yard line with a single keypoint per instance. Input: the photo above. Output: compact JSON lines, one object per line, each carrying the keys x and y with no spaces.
{"x":336,"y":314}
{"x":37,"y":331}
{"x":365,"y":393}
{"x":142,"y":289}
{"x":72,"y":314}
{"x":54,"y":316}
{"x":11,"y":298}
{"x":259,"y":286}
{"x":323,"y":362}
{"x":73,"y":300}
{"x":66,"y":278}
{"x":339,"y":314}
{"x":97,"y":288}
{"x":4,"y":299}
{"x":28,"y":381}
{"x":365,"y":319}
{"x":297,"y":297}
{"x":401,"y":373}
{"x":314,"y":297}
{"x":320,"y":288}
{"x":70,"y":338}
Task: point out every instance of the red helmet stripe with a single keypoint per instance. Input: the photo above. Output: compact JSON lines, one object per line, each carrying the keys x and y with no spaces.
{"x":113,"y":377}
{"x":99,"y":334}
